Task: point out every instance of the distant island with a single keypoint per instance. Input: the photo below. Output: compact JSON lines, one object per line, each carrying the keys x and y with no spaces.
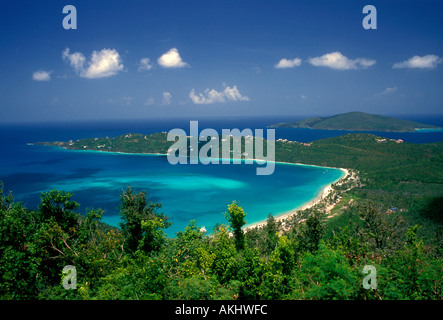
{"x":356,"y":121}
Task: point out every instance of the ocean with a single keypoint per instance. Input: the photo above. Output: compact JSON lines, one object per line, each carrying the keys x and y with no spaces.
{"x":186,"y":192}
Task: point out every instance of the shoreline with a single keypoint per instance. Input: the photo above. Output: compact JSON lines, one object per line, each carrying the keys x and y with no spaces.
{"x":259,"y":224}
{"x":285,"y":215}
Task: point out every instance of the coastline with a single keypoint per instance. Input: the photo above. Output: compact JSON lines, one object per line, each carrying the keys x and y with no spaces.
{"x":259,"y":224}
{"x":285,"y":215}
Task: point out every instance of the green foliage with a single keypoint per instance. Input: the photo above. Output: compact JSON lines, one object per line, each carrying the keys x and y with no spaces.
{"x":128,"y":143}
{"x":250,"y":271}
{"x":142,"y":225}
{"x":56,"y":206}
{"x":300,"y":263}
{"x":236,"y":218}
{"x":272,"y":229}
{"x":223,"y":249}
{"x":325,"y":274}
{"x":413,"y":273}
{"x":311,"y":232}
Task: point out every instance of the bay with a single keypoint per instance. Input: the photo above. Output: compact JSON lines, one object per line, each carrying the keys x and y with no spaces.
{"x":185,"y":191}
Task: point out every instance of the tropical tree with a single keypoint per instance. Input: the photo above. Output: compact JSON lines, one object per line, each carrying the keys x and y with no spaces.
{"x":142,"y":225}
{"x":236,"y":218}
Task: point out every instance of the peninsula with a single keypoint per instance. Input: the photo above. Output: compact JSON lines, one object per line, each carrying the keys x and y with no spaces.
{"x":381,"y":159}
{"x":356,"y":121}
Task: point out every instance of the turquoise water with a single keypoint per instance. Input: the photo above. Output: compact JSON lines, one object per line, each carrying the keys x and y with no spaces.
{"x":429,"y":129}
{"x":185,"y":191}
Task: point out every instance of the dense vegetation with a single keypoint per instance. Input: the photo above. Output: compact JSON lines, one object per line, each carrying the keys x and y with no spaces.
{"x":356,"y":121}
{"x":130,"y":143}
{"x":138,"y":261}
{"x":392,"y":219}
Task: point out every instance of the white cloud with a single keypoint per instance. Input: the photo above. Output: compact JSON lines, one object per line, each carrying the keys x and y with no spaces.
{"x":145,"y":65}
{"x":387,"y":91}
{"x":214,"y":96}
{"x":103,"y":63}
{"x":41,"y":75}
{"x":76,"y":60}
{"x":171,"y":59}
{"x":304,"y":97}
{"x":286,"y":63}
{"x":336,"y":60}
{"x":166,"y":98}
{"x":429,"y":61}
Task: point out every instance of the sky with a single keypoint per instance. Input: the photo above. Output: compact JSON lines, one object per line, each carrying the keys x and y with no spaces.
{"x":185,"y":58}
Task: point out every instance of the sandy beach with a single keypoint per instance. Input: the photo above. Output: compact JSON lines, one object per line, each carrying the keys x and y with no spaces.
{"x":310,"y":204}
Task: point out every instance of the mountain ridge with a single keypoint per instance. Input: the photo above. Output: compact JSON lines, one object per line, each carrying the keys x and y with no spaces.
{"x":356,"y":121}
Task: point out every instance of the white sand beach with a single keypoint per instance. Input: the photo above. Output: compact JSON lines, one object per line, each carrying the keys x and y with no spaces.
{"x":310,"y":204}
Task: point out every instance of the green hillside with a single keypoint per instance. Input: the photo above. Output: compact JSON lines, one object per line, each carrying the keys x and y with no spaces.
{"x":356,"y":121}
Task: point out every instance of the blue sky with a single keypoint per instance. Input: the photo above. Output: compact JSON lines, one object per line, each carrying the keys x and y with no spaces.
{"x":159,"y":59}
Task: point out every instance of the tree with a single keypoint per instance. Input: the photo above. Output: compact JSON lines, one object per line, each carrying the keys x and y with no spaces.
{"x":271,"y":229}
{"x":142,"y":225}
{"x":380,"y":231}
{"x":223,"y":248}
{"x":58,"y":207}
{"x":414,"y":273}
{"x":250,"y":272}
{"x":311,"y":233}
{"x":17,"y":264}
{"x":325,"y":274}
{"x":236,"y":218}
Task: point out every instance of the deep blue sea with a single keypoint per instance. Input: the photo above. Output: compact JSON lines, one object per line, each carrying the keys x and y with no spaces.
{"x":186,"y":192}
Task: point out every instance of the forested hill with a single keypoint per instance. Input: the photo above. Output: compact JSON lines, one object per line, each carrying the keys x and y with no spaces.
{"x":369,"y":154}
{"x":386,"y":161}
{"x":360,"y":151}
{"x":356,"y":121}
{"x":128,"y":143}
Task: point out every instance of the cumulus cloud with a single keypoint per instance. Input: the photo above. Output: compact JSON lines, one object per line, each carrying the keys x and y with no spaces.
{"x":214,"y":96}
{"x":336,"y":60}
{"x":166,"y":98}
{"x":429,"y":61}
{"x":76,"y":60}
{"x":41,"y":75}
{"x":103,"y":63}
{"x":171,"y":59}
{"x":287,"y":63}
{"x":144,"y":65}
